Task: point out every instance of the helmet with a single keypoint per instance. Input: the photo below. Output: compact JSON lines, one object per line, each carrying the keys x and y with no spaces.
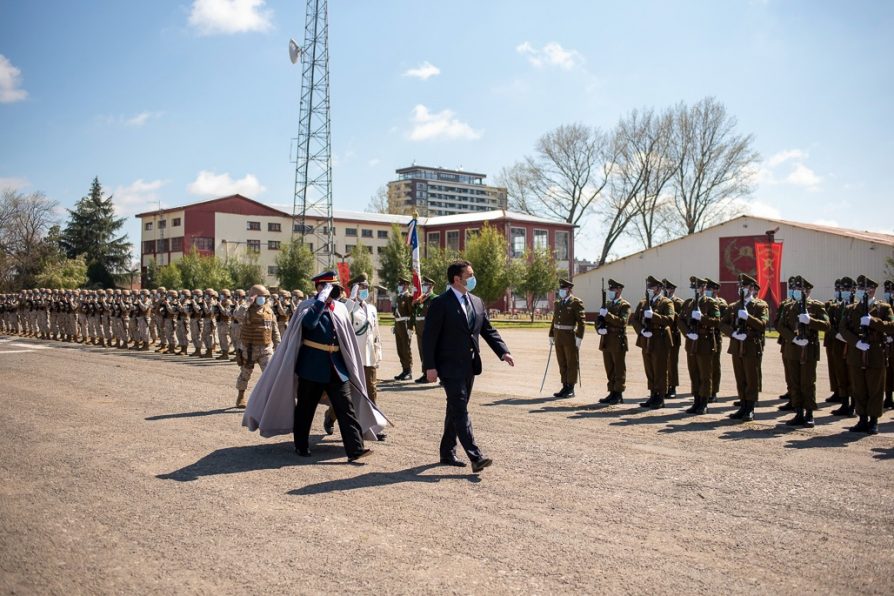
{"x":258,"y":290}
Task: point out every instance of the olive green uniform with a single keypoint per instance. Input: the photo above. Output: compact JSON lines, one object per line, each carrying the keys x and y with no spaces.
{"x":402,"y":313}
{"x":836,"y":352}
{"x":866,"y":369}
{"x":701,"y":350}
{"x":613,"y":344}
{"x":747,"y":354}
{"x":655,"y":349}
{"x":801,"y":361}
{"x":673,"y":363}
{"x":718,"y":339}
{"x":566,"y":328}
{"x":417,"y":321}
{"x":777,"y":323}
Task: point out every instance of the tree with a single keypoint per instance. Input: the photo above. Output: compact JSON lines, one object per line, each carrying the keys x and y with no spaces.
{"x":198,"y":271}
{"x":168,"y":277}
{"x":435,"y":264}
{"x":540,"y":276}
{"x":26,"y":243}
{"x":712,"y":163}
{"x":64,"y":273}
{"x":488,"y":253}
{"x":245,"y":272}
{"x":565,"y":177}
{"x":295,"y":264}
{"x":395,"y":260}
{"x":361,"y":262}
{"x":92,"y":230}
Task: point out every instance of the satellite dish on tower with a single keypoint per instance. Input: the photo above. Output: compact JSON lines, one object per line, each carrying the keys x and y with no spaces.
{"x":294,"y":51}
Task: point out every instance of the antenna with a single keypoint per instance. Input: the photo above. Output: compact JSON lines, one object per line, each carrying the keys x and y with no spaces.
{"x":294,"y":51}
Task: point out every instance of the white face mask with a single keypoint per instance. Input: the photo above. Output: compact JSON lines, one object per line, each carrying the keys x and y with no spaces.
{"x":363,"y":294}
{"x":611,"y":295}
{"x":426,"y":289}
{"x":651,"y":293}
{"x":563,"y":293}
{"x":400,"y":289}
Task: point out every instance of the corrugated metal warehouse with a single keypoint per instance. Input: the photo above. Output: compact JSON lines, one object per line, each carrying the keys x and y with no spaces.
{"x":721,"y":252}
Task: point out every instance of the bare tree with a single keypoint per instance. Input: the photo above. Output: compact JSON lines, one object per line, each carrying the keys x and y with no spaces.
{"x":566,"y":175}
{"x":712,"y":163}
{"x":25,"y":220}
{"x":378,"y":203}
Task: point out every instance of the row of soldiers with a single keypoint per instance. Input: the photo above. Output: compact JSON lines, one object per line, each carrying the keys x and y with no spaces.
{"x":857,"y":333}
{"x":169,"y":320}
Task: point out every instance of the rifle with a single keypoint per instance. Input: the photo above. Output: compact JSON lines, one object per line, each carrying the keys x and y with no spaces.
{"x":802,"y":328}
{"x":601,"y":321}
{"x":741,"y":323}
{"x":647,"y":323}
{"x":864,"y":330}
{"x":692,"y":327}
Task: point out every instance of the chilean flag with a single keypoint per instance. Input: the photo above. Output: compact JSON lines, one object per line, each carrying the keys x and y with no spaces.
{"x":413,"y":242}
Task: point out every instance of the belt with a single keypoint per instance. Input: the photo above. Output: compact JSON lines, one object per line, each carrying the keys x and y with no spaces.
{"x":317,"y":346}
{"x":564,"y":327}
{"x":420,"y":318}
{"x":401,"y":318}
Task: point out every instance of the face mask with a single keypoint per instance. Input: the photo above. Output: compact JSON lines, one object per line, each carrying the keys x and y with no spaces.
{"x":611,"y":295}
{"x":791,"y":294}
{"x":426,"y":289}
{"x":709,"y":293}
{"x":471,"y":283}
{"x":363,"y":294}
{"x":797,"y":295}
{"x":260,"y":300}
{"x":400,"y":289}
{"x":845,"y":295}
{"x":860,"y":294}
{"x":563,"y":293}
{"x":651,"y":293}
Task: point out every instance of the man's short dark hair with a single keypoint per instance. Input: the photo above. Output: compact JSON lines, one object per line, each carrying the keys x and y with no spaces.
{"x":456,"y":268}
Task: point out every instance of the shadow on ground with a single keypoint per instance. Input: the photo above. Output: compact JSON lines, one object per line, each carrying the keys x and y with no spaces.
{"x":196,"y":414}
{"x":374,"y":479}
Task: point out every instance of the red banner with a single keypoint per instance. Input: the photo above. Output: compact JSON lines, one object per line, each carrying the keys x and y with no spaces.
{"x":768,"y":262}
{"x":344,"y":275}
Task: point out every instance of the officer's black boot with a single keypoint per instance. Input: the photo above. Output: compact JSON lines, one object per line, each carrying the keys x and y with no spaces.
{"x":693,"y":409}
{"x":608,"y":398}
{"x":808,"y":419}
{"x":713,"y":398}
{"x":672,"y":392}
{"x":785,"y":396}
{"x":873,"y":426}
{"x":786,"y":407}
{"x":889,"y":400}
{"x":616,"y":398}
{"x":798,"y":420}
{"x":748,"y":416}
{"x":834,"y":399}
{"x":862,"y":426}
{"x":737,"y":415}
{"x":845,"y":409}
{"x":648,"y":403}
{"x":569,"y":391}
{"x":701,"y":406}
{"x":658,"y":403}
{"x":561,"y":392}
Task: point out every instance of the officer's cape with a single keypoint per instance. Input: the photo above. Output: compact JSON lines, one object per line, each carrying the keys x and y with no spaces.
{"x":271,"y":406}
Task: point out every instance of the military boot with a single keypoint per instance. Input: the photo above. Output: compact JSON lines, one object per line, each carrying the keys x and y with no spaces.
{"x":672,"y":392}
{"x":798,"y":420}
{"x":862,"y":426}
{"x":240,"y":399}
{"x":608,"y":398}
{"x":834,"y":399}
{"x":658,"y":403}
{"x":785,"y":396}
{"x":145,"y":347}
{"x":713,"y":398}
{"x":171,"y":350}
{"x":197,"y":352}
{"x":808,"y":419}
{"x":561,"y":392}
{"x":693,"y":409}
{"x":648,"y":403}
{"x":872,"y":428}
{"x":740,"y":413}
{"x":889,"y":400}
{"x":616,"y":398}
{"x":569,"y":392}
{"x":748,"y":416}
{"x":209,"y":353}
{"x":786,"y":407}
{"x":701,"y":406}
{"x":846,"y":408}
{"x":184,"y":351}
{"x":161,"y":349}
{"x":223,"y":356}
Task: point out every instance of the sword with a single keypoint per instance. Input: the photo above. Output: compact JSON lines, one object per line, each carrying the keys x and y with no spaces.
{"x":548,"y":358}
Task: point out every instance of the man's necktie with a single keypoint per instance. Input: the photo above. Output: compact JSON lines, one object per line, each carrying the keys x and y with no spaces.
{"x":470,"y":313}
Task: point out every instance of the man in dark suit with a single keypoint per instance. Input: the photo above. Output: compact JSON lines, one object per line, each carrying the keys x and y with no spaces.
{"x":450,"y":350}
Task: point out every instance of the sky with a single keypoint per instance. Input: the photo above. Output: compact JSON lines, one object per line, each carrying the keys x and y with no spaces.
{"x":175,"y":101}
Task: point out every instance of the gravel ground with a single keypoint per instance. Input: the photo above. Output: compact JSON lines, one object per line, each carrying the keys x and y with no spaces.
{"x":126,"y":472}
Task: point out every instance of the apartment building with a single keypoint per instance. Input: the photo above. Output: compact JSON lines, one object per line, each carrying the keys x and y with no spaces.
{"x":437,"y":191}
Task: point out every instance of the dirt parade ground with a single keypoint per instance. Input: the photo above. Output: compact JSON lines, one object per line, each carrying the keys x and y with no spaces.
{"x":128,"y":472}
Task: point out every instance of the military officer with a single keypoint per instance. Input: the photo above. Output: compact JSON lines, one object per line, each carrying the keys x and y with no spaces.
{"x":611,"y":326}
{"x":831,"y":306}
{"x":746,"y":322}
{"x":238,"y":300}
{"x":196,"y":313}
{"x":652,"y":321}
{"x":280,"y":306}
{"x":259,"y":337}
{"x":777,"y":321}
{"x":799,"y":330}
{"x":865,"y":326}
{"x":889,"y":347}
{"x":403,"y":309}
{"x":417,"y":318}
{"x":209,"y":322}
{"x":836,"y":349}
{"x":712,"y":290}
{"x":182,"y":322}
{"x":566,"y":332}
{"x":159,"y":316}
{"x":673,"y":364}
{"x":698,"y":319}
{"x":222,"y":312}
{"x":144,"y":314}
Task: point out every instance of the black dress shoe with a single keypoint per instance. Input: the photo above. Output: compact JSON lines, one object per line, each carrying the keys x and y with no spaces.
{"x":452,"y":461}
{"x":482,"y":463}
{"x":833,"y":399}
{"x":672,"y":392}
{"x":302,"y":452}
{"x":608,"y":398}
{"x":615,"y":398}
{"x":381,"y":437}
{"x":784,"y":396}
{"x":362,"y":454}
{"x":713,"y":398}
{"x":405,"y":376}
{"x":786,"y":407}
{"x":328,"y":426}
{"x":421,"y":379}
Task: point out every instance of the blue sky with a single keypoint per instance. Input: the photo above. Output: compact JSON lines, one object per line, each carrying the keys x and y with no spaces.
{"x":178,"y":101}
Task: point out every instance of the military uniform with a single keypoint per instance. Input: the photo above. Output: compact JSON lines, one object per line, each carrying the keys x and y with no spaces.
{"x":889,"y":348}
{"x":567,"y":332}
{"x":711,"y":291}
{"x":836,"y":349}
{"x":611,"y":326}
{"x":799,"y":330}
{"x":403,"y":309}
{"x":235,"y":327}
{"x":673,"y":363}
{"x":222,"y":312}
{"x":417,"y":318}
{"x":159,"y":315}
{"x":777,"y":322}
{"x":865,"y":326}
{"x":699,"y":319}
{"x":209,"y":322}
{"x":746,"y":324}
{"x":653,"y":318}
{"x":259,"y":337}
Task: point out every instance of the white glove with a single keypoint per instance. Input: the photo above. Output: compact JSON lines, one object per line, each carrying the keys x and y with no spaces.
{"x":743,"y":314}
{"x":692,"y":336}
{"x":889,"y":340}
{"x":577,"y":341}
{"x":354,"y":289}
{"x":324,"y":293}
{"x":800,"y":342}
{"x":552,"y":341}
{"x":603,"y":312}
{"x":602,"y":331}
{"x":647,"y":314}
{"x":646,"y":333}
{"x":839,"y":337}
{"x":862,"y":346}
{"x":864,"y":321}
{"x":804,"y":318}
{"x":696,"y":315}
{"x":739,"y":336}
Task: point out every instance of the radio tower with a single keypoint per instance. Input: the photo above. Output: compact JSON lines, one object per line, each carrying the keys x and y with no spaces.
{"x":312,"y":206}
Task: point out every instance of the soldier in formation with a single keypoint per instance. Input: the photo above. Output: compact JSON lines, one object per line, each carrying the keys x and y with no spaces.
{"x":566,"y":332}
{"x":652,"y":320}
{"x":611,"y":326}
{"x":698,"y":321}
{"x":745,"y":323}
{"x":673,"y":362}
{"x":417,"y":318}
{"x":403,"y":310}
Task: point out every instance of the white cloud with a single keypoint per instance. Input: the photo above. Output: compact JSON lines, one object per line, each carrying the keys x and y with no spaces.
{"x":10,"y":80}
{"x":552,"y":54}
{"x":803,"y":176}
{"x":787,"y":155}
{"x":788,"y":167}
{"x":424,"y":71}
{"x":210,"y":17}
{"x":141,"y":118}
{"x":136,"y":197}
{"x":209,"y":184}
{"x":439,"y":125}
{"x":13,"y":183}
{"x":756,"y":208}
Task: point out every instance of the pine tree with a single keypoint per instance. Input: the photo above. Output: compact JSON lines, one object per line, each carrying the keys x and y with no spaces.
{"x":92,"y":231}
{"x":295,"y":265}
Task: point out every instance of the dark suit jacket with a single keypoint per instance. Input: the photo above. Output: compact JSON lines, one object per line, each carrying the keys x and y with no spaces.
{"x":448,"y":344}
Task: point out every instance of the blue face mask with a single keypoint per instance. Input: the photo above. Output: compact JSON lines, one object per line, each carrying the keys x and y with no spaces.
{"x":260,"y":301}
{"x":611,"y":295}
{"x":651,"y":293}
{"x":563,"y":293}
{"x":791,"y":295}
{"x":709,"y":293}
{"x":845,"y":295}
{"x":797,"y":295}
{"x":860,"y":294}
{"x":471,"y":283}
{"x":888,"y":297}
{"x":363,"y":294}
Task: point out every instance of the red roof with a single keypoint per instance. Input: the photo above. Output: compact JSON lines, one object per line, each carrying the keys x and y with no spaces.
{"x":231,"y":204}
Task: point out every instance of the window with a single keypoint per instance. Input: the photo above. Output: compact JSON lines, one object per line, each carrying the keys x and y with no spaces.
{"x":471,"y":233}
{"x":349,"y":248}
{"x":148,"y":226}
{"x":175,"y":223}
{"x":380,"y":249}
{"x":253,"y":245}
{"x":162,"y":245}
{"x":307,"y":229}
{"x":366,"y":233}
{"x":273,"y":245}
{"x":274,"y":227}
{"x":162,"y":224}
{"x":561,"y":246}
{"x":351,"y":232}
{"x":272,"y":270}
{"x":433,"y":239}
{"x":453,"y":239}
{"x":253,"y":225}
{"x":541,"y":239}
{"x":177,"y":244}
{"x":203,"y":243}
{"x":382,"y":234}
{"x":369,"y":249}
{"x":148,"y":246}
{"x":516,"y":242}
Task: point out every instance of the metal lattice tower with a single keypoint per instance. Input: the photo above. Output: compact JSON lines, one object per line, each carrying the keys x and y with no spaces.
{"x":312,"y":207}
